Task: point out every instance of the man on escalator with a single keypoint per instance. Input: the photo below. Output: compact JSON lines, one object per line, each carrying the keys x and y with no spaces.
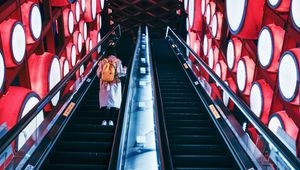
{"x":110,"y":70}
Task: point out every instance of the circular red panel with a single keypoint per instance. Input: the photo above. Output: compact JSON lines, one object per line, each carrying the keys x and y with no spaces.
{"x":269,"y":47}
{"x":32,"y":20}
{"x":288,"y":76}
{"x":13,"y":42}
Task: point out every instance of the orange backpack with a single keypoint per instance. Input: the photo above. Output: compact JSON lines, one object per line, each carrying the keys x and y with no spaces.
{"x":108,"y":71}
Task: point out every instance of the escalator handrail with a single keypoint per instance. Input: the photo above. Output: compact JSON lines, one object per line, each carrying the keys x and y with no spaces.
{"x":262,"y":129}
{"x":8,"y":138}
{"x":117,"y":136}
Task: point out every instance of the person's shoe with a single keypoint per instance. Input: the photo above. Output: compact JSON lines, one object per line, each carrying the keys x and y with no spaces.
{"x":104,"y":123}
{"x":110,"y":123}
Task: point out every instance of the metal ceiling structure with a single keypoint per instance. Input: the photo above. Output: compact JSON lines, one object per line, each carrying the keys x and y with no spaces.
{"x":157,"y":14}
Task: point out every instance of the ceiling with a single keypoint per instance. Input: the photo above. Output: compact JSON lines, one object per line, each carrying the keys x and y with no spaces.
{"x":157,"y":14}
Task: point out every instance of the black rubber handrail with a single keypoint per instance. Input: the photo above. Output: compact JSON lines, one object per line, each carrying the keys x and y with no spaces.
{"x":8,"y":138}
{"x":262,"y":129}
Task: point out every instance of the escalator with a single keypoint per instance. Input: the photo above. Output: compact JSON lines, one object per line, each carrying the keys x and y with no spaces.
{"x":84,"y":144}
{"x":194,"y":141}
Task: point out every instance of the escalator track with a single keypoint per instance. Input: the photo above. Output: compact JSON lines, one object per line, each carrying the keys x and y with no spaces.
{"x":84,"y":143}
{"x":194,"y":141}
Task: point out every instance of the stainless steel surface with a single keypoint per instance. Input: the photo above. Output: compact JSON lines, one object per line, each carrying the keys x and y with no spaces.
{"x":138,"y":148}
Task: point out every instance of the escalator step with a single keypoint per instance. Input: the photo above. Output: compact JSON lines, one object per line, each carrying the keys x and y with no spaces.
{"x":197,"y":149}
{"x":90,"y":128}
{"x":190,"y":130}
{"x":76,"y":146}
{"x":80,"y":157}
{"x":189,"y":123}
{"x":180,"y":103}
{"x":75,"y":167}
{"x":88,"y":136}
{"x":195,"y":139}
{"x":177,"y":109}
{"x":203,"y":160}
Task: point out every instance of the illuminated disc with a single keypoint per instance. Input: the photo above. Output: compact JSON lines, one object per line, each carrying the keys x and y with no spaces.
{"x":265,"y":47}
{"x":235,"y":11}
{"x":18,"y":42}
{"x":288,"y":76}
{"x":230,"y":55}
{"x":54,"y":78}
{"x":295,"y":12}
{"x":35,"y":22}
{"x":241,"y":75}
{"x":256,"y":100}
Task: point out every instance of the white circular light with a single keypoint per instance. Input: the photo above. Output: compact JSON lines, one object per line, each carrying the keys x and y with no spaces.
{"x":208,"y":13}
{"x":214,"y":26}
{"x":265,"y":47}
{"x":273,"y":2}
{"x":288,"y":76}
{"x":94,"y":9}
{"x":195,"y":47}
{"x":188,"y":43}
{"x":71,"y":22}
{"x":77,"y":11}
{"x":66,"y":67}
{"x":33,"y":125}
{"x":205,"y":45}
{"x":211,"y":58}
{"x":73,"y":55}
{"x":225,"y":96}
{"x":230,"y":55}
{"x":100,"y":21}
{"x":295,"y":10}
{"x":187,"y":24}
{"x":186,"y":4}
{"x":79,"y":42}
{"x":18,"y":42}
{"x":235,"y":11}
{"x":2,"y":70}
{"x":274,"y":124}
{"x":91,"y":45}
{"x":81,"y":70}
{"x":203,"y":3}
{"x":35,"y":22}
{"x":83,"y":5}
{"x":241,"y":75}
{"x":191,"y":12}
{"x":84,"y":31}
{"x":218,"y":69}
{"x":256,"y":100}
{"x":54,"y":78}
{"x":102,"y":3}
{"x":98,"y":40}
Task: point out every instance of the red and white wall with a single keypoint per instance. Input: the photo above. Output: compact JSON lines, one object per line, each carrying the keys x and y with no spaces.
{"x":253,"y":46}
{"x":32,"y":61}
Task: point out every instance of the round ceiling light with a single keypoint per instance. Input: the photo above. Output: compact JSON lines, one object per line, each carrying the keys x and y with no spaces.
{"x":295,"y":13}
{"x":245,"y":17}
{"x":233,"y":54}
{"x":288,"y":76}
{"x":270,"y":43}
{"x":245,"y":74}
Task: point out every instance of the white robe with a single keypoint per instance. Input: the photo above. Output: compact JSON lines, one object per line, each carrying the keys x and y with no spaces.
{"x":110,"y":94}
